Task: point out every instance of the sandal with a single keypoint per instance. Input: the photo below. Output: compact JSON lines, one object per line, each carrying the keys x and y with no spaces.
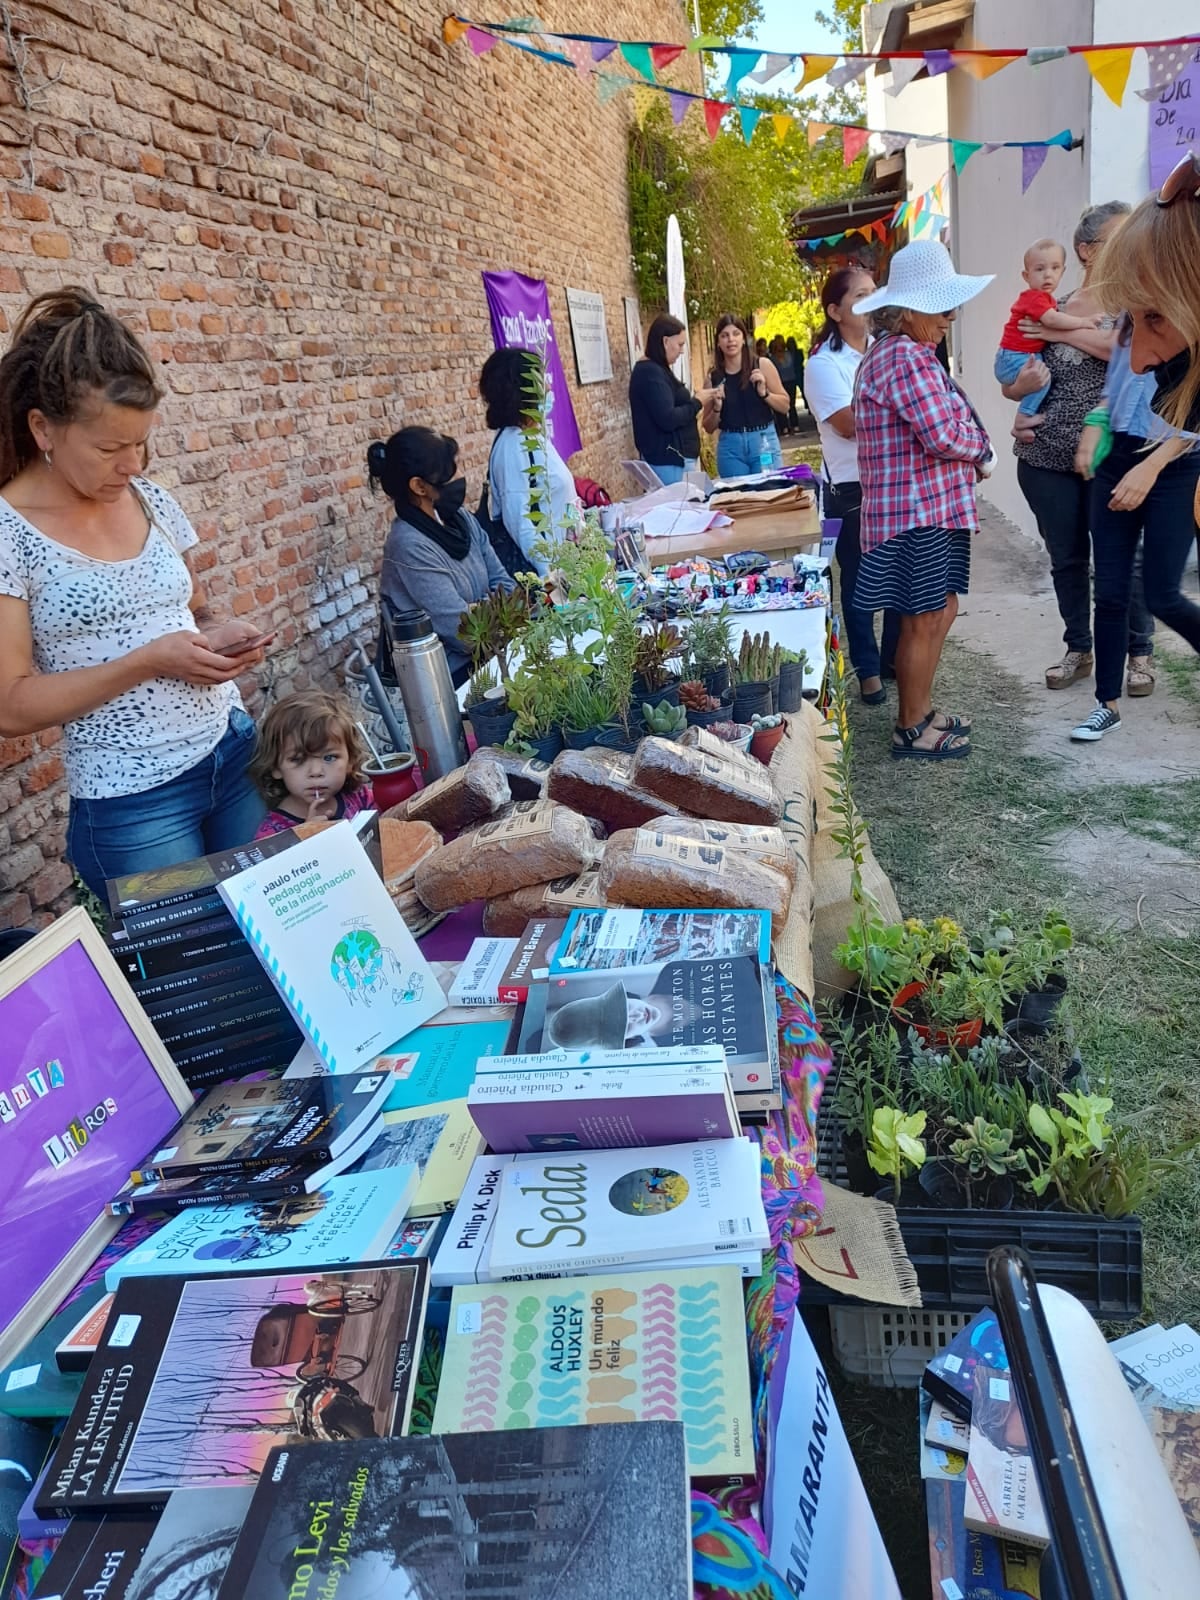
{"x":949,"y":745}
{"x":1139,"y":677}
{"x":1074,"y":665}
{"x":949,"y":723}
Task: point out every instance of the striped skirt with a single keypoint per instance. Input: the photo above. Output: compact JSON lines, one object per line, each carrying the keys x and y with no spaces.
{"x":915,"y":571}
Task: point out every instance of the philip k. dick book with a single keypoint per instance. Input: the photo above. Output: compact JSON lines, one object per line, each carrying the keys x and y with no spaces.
{"x":196,"y":1380}
{"x":665,"y":1345}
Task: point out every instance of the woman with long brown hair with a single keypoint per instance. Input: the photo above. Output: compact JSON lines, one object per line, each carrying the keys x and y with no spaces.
{"x":744,"y":399}
{"x":104,"y":628}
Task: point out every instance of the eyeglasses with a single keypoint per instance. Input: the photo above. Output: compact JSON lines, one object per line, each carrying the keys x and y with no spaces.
{"x":1183,"y":181}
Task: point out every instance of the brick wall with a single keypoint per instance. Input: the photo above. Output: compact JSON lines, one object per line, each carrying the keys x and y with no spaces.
{"x":293,"y":200}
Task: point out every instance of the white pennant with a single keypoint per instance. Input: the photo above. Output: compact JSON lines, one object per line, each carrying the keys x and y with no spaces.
{"x":848,"y":72}
{"x":892,"y":142}
{"x":904,"y":70}
{"x":770,"y":67}
{"x":1166,"y":61}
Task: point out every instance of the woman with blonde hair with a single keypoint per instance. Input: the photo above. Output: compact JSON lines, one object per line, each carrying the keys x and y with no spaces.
{"x":1150,"y":270}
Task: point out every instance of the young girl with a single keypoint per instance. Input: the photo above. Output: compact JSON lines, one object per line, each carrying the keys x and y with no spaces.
{"x":309,"y":763}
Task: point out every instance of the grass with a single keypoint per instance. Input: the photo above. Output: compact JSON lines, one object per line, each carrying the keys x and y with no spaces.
{"x":967,"y":837}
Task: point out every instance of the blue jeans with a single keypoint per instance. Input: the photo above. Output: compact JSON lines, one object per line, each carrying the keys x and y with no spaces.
{"x":1007,"y":366}
{"x":739,"y":454}
{"x":1166,"y":524}
{"x":673,"y":474}
{"x":844,"y":501}
{"x":211,"y":806}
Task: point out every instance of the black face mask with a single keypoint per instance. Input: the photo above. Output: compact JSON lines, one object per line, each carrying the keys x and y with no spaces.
{"x":450,"y":496}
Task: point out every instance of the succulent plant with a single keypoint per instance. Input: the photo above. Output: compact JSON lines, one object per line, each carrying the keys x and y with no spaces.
{"x":693,"y":696}
{"x":758,"y":659}
{"x":759,"y":723}
{"x":665,"y":719}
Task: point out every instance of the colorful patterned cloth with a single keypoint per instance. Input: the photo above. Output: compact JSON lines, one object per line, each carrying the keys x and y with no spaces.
{"x":729,"y":1556}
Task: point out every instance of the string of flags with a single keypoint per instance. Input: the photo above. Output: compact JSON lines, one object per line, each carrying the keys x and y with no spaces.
{"x":923,"y":214}
{"x":1109,"y":64}
{"x":585,"y":55}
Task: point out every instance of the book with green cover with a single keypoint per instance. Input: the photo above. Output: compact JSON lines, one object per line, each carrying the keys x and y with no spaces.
{"x":622,"y":1348}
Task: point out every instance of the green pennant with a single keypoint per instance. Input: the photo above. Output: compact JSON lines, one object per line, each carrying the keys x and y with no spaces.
{"x":705,"y":41}
{"x":638,"y":57}
{"x":961,"y":151}
{"x":610,"y":84}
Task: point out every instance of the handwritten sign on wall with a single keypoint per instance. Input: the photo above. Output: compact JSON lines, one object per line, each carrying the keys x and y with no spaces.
{"x":1175,"y":121}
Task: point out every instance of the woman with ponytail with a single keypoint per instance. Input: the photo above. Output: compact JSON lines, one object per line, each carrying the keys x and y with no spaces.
{"x":104,"y":628}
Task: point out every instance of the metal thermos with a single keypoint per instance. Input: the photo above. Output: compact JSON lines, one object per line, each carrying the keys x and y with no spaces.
{"x":430,"y":704}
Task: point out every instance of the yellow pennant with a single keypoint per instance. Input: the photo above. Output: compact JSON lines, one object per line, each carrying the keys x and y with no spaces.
{"x":453,"y":30}
{"x":817,"y":130}
{"x":643,"y":98}
{"x":1110,"y":68}
{"x":783,"y":124}
{"x":815,"y":67}
{"x":981,"y":67}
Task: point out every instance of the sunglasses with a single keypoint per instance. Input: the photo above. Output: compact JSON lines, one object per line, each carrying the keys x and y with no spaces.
{"x":1184,"y":181}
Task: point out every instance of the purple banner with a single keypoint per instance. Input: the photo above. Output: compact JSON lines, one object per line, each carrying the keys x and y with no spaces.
{"x":520,"y":311}
{"x":1175,"y":121}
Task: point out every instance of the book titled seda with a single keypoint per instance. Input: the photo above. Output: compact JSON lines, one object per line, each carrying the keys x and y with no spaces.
{"x":596,"y":1209}
{"x":97,"y":1558}
{"x":243,"y":1126}
{"x":530,"y":961}
{"x":334,"y":945}
{"x":197,"y":1379}
{"x":950,"y":1376}
{"x":593,"y":1513}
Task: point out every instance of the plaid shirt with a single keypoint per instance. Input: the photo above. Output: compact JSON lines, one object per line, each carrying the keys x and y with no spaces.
{"x":918,"y":441}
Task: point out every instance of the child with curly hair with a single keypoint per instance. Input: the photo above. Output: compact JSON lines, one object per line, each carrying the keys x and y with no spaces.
{"x":309,"y":763}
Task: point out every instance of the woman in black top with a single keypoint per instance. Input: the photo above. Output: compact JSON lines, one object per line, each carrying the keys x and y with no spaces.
{"x":743,"y":403}
{"x":663,"y":409}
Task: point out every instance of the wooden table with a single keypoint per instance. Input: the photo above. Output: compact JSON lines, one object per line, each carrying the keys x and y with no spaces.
{"x":775,"y":534}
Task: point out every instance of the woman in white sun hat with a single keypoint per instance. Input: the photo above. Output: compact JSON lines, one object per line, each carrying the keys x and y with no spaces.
{"x":921,"y":450}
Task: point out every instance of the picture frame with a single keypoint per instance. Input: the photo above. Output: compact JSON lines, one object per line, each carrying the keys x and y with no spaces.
{"x":86,"y":1088}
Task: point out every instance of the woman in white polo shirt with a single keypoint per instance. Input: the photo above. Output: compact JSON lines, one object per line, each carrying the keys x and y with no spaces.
{"x":829,"y":390}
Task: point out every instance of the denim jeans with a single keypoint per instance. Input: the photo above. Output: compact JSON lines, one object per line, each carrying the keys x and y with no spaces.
{"x":1006,"y":367}
{"x":211,"y":806}
{"x":739,"y":454}
{"x":1165,"y":523}
{"x":844,"y":500}
{"x":1060,"y":502}
{"x":673,"y":474}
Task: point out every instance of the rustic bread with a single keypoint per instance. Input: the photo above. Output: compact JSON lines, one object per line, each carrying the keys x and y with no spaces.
{"x":401,"y":846}
{"x":705,"y":776}
{"x":526,"y":774}
{"x":653,"y":870}
{"x":599,"y":783}
{"x":529,"y":847}
{"x":468,"y":794}
{"x":507,"y":914}
{"x":768,"y":845}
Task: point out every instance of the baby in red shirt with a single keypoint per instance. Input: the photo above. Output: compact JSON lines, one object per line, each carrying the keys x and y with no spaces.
{"x":1045,"y":263}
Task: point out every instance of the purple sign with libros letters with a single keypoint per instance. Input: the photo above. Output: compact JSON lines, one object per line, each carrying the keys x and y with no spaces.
{"x":1175,"y":121}
{"x":520,"y":312}
{"x":81,"y":1102}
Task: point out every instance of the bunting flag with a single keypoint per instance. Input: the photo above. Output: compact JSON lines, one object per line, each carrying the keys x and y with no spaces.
{"x":662,"y":55}
{"x":937,"y":62}
{"x":783,"y":125}
{"x":1032,"y":157}
{"x":1110,"y":69}
{"x":854,"y":142}
{"x":481,"y":42}
{"x":961,"y":151}
{"x":818,"y":130}
{"x":602,"y":48}
{"x":815,"y":67}
{"x":579,"y":54}
{"x":1166,"y":62}
{"x":770,"y":67}
{"x":740,"y":63}
{"x":638,"y":57}
{"x":714,"y":110}
{"x":749,"y":116}
{"x":851,"y":69}
{"x":610,"y":84}
{"x":893,"y":143}
{"x":453,"y":30}
{"x":981,"y":67}
{"x":643,"y":98}
{"x":679,"y":104}
{"x":1040,"y":54}
{"x":904,"y":70}
{"x":706,"y":41}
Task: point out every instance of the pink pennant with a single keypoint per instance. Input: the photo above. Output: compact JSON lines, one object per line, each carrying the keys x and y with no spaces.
{"x":1032,"y":158}
{"x":679,"y":104}
{"x":481,"y":42}
{"x":854,"y":142}
{"x":579,"y":54}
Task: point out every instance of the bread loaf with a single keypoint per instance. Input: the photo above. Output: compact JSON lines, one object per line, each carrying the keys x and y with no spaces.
{"x":657,"y":871}
{"x":598,"y":783}
{"x":768,"y":845}
{"x":468,"y":794}
{"x":507,"y":914}
{"x":707,"y":777}
{"x":599,"y":831}
{"x":401,"y":846}
{"x":526,"y":774}
{"x":529,"y":847}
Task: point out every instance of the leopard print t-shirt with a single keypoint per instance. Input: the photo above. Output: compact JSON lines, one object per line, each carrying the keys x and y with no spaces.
{"x":85,"y":612}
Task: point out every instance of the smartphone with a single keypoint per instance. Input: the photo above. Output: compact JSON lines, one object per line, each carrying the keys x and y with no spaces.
{"x":258,"y":642}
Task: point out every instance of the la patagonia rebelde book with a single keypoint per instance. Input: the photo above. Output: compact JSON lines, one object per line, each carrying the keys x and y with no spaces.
{"x":324,"y":927}
{"x":591,"y":1513}
{"x":196,"y":1380}
{"x":665,"y":1345}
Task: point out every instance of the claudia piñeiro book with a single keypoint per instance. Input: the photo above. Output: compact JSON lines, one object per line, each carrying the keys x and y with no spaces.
{"x":336,"y":948}
{"x":595,"y":1209}
{"x":196,"y":1380}
{"x":242,"y":1127}
{"x":190,"y":1547}
{"x":661,"y":1346}
{"x":347,"y":1220}
{"x":584,"y":1513}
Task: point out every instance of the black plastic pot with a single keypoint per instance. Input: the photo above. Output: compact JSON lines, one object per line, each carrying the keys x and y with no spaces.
{"x":490,"y":726}
{"x":1037,"y":1008}
{"x":910,"y":1193}
{"x":791,"y":686}
{"x":581,"y":738}
{"x":705,"y":719}
{"x":942,"y":1186}
{"x":751,"y":700}
{"x":717,"y":681}
{"x":655,"y":697}
{"x":618,"y":739}
{"x":859,"y":1173}
{"x":547,"y":746}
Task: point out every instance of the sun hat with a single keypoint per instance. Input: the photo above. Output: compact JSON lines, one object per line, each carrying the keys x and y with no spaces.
{"x":597,"y":1022}
{"x":922,"y":278}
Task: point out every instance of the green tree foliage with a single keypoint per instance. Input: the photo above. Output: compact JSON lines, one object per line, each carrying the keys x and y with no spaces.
{"x":728,"y":19}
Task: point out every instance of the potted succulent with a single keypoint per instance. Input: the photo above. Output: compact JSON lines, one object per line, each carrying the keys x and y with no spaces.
{"x":653,"y":679}
{"x":703,"y":708}
{"x":589,"y":706}
{"x":895,"y":1147}
{"x":488,"y":629}
{"x":737,"y":734}
{"x":664,"y":720}
{"x":979,"y":1164}
{"x":537,"y":699}
{"x":791,"y":680}
{"x":768,"y":731}
{"x":709,"y":649}
{"x":755,"y":675}
{"x":1037,"y":957}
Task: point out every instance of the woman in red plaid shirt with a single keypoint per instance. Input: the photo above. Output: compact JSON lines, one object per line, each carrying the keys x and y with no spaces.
{"x":921,"y":450}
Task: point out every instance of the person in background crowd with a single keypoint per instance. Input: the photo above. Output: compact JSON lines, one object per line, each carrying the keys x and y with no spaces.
{"x":1075,"y":363}
{"x":784,"y":360}
{"x":760,"y":348}
{"x":833,"y":365}
{"x":798,"y":358}
{"x":515,"y":471}
{"x":310,"y":763}
{"x":921,"y":449}
{"x":743,"y":401}
{"x":663,"y":409}
{"x":437,"y":558}
{"x":104,"y":628}
{"x":1151,"y":269}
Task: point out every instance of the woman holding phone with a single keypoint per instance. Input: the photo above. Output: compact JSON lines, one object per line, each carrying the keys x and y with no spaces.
{"x":743,"y":401}
{"x":104,"y":628}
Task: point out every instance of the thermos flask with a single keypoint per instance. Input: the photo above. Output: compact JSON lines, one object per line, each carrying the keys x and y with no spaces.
{"x":430,"y":704}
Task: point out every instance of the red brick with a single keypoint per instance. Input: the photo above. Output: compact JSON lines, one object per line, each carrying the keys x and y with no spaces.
{"x":32,"y":207}
{"x":55,"y":245}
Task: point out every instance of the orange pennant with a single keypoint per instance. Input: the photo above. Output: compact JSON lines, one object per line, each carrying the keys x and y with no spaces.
{"x":818,"y":130}
{"x":1110,"y":69}
{"x":981,"y":67}
{"x":815,"y":67}
{"x":783,"y":124}
{"x":453,"y":30}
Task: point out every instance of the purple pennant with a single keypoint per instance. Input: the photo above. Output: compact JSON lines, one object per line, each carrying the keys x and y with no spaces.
{"x":603,"y":48}
{"x":679,"y":104}
{"x":481,"y":42}
{"x":1032,"y":158}
{"x":937,"y":62}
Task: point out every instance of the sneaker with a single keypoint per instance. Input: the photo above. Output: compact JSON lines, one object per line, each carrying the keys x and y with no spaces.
{"x":1101,"y":721}
{"x":1074,"y":665}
